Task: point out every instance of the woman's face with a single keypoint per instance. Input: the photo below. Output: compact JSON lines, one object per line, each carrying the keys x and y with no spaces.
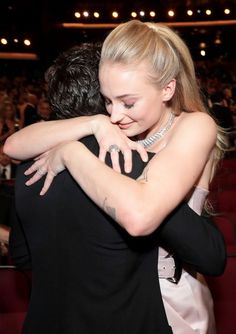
{"x":132,"y":101}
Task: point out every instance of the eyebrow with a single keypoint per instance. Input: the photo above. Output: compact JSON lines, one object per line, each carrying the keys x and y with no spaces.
{"x":120,"y":96}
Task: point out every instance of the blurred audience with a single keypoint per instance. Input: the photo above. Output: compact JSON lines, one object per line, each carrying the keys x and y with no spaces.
{"x":27,"y":95}
{"x":7,"y":120}
{"x":228,"y":97}
{"x":44,"y":110}
{"x":4,"y":239}
{"x":30,"y":114}
{"x":7,"y":166}
{"x":7,"y":176}
{"x":221,"y":111}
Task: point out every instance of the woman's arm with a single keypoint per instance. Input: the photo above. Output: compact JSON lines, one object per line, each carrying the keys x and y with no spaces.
{"x":40,"y":137}
{"x":140,"y":206}
{"x":35,"y":139}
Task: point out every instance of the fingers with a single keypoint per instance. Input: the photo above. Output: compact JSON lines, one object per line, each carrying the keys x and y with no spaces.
{"x":42,"y":167}
{"x":37,"y":176}
{"x":114,"y":158}
{"x":127,"y":152}
{"x":128,"y":155}
{"x":142,"y":152}
{"x":33,"y":168}
{"x":102,"y":154}
{"x":48,"y":181}
{"x":115,"y":161}
{"x":128,"y":160}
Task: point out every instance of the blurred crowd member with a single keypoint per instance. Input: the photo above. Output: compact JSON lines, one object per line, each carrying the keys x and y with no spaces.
{"x":7,"y":166}
{"x":210,"y":90}
{"x":7,"y":120}
{"x":221,"y":112}
{"x":21,"y":105}
{"x":7,"y":176}
{"x":4,"y":239}
{"x":44,"y":110}
{"x":228,"y":97}
{"x":29,"y":114}
{"x":3,"y":95}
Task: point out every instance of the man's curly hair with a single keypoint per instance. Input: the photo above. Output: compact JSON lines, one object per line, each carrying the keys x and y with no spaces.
{"x":73,"y":86}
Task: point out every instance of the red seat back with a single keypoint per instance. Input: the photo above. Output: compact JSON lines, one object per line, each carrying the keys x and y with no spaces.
{"x":223,"y":290}
{"x":227,"y":200}
{"x":227,"y":228}
{"x":15,"y":287}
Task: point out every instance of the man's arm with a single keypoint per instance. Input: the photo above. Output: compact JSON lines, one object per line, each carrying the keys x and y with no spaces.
{"x":195,"y":240}
{"x":18,"y":247}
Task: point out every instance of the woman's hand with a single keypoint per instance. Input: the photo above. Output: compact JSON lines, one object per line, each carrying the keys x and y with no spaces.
{"x":50,"y":164}
{"x":108,"y":134}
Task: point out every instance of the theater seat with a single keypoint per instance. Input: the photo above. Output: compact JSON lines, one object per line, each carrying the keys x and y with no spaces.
{"x":227,"y":228}
{"x":223,"y":291}
{"x":231,"y":181}
{"x":227,"y":165}
{"x":223,"y":288}
{"x":227,"y":201}
{"x":15,"y":287}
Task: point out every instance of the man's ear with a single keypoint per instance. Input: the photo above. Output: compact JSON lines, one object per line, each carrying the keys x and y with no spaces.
{"x":169,"y":90}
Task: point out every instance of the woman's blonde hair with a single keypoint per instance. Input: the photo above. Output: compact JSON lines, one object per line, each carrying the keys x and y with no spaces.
{"x":168,"y":58}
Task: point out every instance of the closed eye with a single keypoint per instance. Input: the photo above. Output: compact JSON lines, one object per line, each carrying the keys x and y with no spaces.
{"x":128,"y":106}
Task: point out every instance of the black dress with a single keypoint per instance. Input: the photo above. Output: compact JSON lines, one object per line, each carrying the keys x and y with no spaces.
{"x":89,"y":275}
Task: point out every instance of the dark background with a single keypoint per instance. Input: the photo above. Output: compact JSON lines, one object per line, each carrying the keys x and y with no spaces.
{"x":41,"y":22}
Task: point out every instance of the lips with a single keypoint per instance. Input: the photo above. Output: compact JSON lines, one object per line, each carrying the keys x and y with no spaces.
{"x":125,"y":126}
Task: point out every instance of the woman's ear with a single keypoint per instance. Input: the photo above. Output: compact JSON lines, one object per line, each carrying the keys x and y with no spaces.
{"x":169,"y":90}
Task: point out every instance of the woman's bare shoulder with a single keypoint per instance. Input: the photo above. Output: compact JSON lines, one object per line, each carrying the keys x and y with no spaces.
{"x":197,"y":122}
{"x":198,"y":116}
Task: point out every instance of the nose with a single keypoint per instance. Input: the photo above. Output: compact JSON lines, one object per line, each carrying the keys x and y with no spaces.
{"x":116,"y":114}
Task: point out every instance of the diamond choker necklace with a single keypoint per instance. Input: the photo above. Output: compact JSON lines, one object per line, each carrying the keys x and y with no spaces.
{"x":158,"y":135}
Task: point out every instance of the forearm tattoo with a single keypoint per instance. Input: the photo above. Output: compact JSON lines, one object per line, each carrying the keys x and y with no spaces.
{"x":109,"y":210}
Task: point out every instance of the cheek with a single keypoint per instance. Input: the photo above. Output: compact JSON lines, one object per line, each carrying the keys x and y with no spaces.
{"x":144,"y":108}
